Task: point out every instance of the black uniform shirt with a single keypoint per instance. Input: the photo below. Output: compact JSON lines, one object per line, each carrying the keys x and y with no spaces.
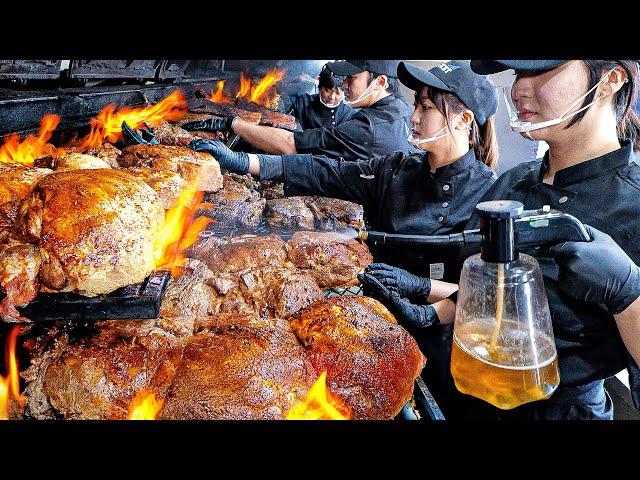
{"x":399,"y":194}
{"x":604,"y":193}
{"x":370,"y":132}
{"x":312,"y":113}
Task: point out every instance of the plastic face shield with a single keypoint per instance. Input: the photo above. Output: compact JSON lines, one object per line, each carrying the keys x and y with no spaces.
{"x":525,"y":127}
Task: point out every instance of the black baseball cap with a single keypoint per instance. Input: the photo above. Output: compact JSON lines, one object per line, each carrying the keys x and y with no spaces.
{"x":345,"y":68}
{"x":485,"y":67}
{"x":476,"y":91}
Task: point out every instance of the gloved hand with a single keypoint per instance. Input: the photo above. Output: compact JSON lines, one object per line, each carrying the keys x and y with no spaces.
{"x":398,"y":280}
{"x":210,"y":125}
{"x":598,"y":271}
{"x":235,"y":162}
{"x":138,"y":137}
{"x":407,"y":314}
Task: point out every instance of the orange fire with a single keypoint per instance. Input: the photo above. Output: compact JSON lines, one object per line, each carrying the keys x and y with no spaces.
{"x":145,"y":407}
{"x":32,"y":147}
{"x":245,"y":86}
{"x":320,"y":404}
{"x":219,"y":96}
{"x":179,"y":230}
{"x":268,"y":81}
{"x":262,"y":93}
{"x":10,"y":385}
{"x":107,"y":124}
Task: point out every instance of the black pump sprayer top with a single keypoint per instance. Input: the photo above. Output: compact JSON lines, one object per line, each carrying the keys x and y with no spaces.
{"x":505,"y":227}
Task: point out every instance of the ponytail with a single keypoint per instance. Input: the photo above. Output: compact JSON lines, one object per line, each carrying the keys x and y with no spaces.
{"x":484,"y":143}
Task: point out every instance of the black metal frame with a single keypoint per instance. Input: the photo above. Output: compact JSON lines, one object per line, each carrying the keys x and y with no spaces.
{"x":137,"y":301}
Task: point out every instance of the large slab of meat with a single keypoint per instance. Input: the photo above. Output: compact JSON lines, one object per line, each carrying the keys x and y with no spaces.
{"x":87,"y":231}
{"x":194,"y":167}
{"x":224,"y":366}
{"x":169,"y":134}
{"x":371,"y":361}
{"x":72,"y":161}
{"x":309,"y":213}
{"x":265,"y":116}
{"x":331,"y":258}
{"x":236,"y":205}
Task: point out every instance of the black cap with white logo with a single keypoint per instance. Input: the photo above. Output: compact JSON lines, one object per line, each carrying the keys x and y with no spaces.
{"x":485,"y":67}
{"x":346,"y":68}
{"x":476,"y":91}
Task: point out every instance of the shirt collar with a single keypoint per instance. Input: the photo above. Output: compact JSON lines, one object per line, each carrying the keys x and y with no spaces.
{"x":575,"y":173}
{"x":452,"y":169}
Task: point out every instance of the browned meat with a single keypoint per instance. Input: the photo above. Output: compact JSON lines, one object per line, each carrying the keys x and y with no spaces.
{"x":223,"y":110}
{"x":16,"y":182}
{"x":334,"y":214}
{"x":289,"y":214}
{"x":19,"y":267}
{"x":235,"y":206}
{"x":239,"y":254}
{"x":270,"y":189}
{"x":269,"y":292}
{"x":192,"y":166}
{"x":251,"y":370}
{"x":94,"y":230}
{"x":98,"y":376}
{"x":331,"y":258}
{"x":106,"y":152}
{"x":168,"y":185}
{"x":72,"y":161}
{"x":371,"y":362}
{"x":170,"y":134}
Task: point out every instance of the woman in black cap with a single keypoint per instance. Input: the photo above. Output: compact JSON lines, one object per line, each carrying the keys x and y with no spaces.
{"x":433,"y":192}
{"x":583,"y":110}
{"x":322,"y":109}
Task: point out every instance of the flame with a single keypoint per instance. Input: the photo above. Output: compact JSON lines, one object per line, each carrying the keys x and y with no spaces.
{"x":145,"y":407}
{"x":107,"y":124}
{"x":268,"y":81}
{"x":320,"y":404}
{"x":219,"y":96}
{"x":245,"y":86}
{"x":261,"y":93}
{"x":32,"y":147}
{"x":179,"y":230}
{"x":10,"y":385}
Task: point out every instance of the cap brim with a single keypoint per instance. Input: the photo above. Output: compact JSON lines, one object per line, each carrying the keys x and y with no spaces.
{"x":343,"y":68}
{"x":415,"y":78}
{"x":486,"y":67}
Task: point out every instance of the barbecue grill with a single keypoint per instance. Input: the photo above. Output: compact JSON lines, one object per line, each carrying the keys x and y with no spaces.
{"x":78,"y":93}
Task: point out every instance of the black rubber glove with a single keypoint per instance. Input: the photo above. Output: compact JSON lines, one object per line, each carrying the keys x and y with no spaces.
{"x":210,"y":125}
{"x":407,"y":314}
{"x":398,"y":280}
{"x":235,"y":162}
{"x":598,"y":271}
{"x":141,"y":136}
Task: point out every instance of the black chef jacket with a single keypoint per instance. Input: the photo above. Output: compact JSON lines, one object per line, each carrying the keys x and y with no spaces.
{"x":605,"y":193}
{"x":375,"y":131}
{"x":399,"y":194}
{"x":312,"y":113}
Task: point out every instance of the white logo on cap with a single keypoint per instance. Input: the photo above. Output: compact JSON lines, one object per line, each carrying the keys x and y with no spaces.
{"x":447,"y":68}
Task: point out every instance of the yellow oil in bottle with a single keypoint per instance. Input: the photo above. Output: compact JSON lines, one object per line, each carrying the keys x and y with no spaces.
{"x":522,"y":368}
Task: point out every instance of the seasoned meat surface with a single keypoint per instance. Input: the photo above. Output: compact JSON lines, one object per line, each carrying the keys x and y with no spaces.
{"x":371,"y":361}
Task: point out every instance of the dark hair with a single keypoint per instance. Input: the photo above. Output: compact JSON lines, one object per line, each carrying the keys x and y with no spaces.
{"x":392,"y":83}
{"x":627,"y":122}
{"x":327,"y":79}
{"x":482,"y":138}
